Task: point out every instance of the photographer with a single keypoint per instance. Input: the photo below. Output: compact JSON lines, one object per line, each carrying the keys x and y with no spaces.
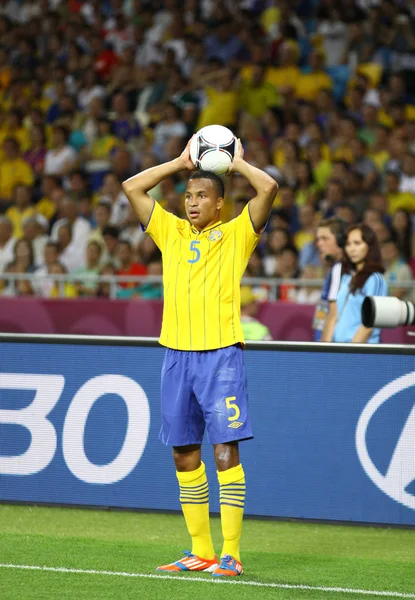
{"x":362,"y":276}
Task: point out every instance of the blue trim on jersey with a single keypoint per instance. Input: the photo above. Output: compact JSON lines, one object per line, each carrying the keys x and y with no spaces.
{"x":261,"y":229}
{"x":144,"y":227}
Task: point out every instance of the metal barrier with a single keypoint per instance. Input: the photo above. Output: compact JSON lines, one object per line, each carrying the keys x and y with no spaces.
{"x":272,"y":284}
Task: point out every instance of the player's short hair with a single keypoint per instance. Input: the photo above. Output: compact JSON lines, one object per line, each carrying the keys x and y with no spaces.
{"x":215,"y":179}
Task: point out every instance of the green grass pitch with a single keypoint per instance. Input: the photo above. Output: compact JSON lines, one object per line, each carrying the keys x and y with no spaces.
{"x":113,"y":555}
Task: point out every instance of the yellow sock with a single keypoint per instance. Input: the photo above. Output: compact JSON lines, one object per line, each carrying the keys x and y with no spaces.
{"x":232,"y":500}
{"x":194,"y":498}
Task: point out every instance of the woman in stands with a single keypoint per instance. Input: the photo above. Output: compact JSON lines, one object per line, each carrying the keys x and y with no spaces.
{"x":362,"y":276}
{"x":23,"y":262}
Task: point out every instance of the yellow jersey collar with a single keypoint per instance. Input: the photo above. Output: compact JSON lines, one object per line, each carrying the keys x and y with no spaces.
{"x":194,"y":230}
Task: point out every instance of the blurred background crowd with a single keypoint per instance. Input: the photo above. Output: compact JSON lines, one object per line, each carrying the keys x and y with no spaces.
{"x":321,"y":92}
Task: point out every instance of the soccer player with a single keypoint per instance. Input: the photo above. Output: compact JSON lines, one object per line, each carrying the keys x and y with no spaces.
{"x":203,"y":380}
{"x":330,"y":241}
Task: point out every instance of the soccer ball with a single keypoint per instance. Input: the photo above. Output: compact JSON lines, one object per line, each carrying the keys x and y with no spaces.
{"x":212,"y":149}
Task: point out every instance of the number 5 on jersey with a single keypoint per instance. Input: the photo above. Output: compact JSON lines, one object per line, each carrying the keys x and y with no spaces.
{"x":195,"y":249}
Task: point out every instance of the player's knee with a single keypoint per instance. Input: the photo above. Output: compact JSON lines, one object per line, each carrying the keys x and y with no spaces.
{"x":226,"y":456}
{"x":186,"y":458}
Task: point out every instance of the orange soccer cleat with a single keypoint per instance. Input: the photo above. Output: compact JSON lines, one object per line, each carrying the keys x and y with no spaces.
{"x":191,"y":562}
{"x":229,"y":567}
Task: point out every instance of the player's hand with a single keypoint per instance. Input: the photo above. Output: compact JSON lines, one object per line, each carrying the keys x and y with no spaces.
{"x":185,"y":158}
{"x":239,"y":156}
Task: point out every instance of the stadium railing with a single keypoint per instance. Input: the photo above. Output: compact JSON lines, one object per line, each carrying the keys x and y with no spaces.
{"x":272,"y":286}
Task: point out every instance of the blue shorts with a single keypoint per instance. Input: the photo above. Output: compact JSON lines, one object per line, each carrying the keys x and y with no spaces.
{"x":204,"y":390}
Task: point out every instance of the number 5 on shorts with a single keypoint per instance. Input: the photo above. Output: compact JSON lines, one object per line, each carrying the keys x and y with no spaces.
{"x":233,"y":406}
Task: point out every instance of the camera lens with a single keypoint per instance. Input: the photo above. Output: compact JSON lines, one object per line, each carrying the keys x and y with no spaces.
{"x":379,"y":311}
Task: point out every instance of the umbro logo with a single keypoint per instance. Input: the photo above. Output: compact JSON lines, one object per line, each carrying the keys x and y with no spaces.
{"x":235,"y":424}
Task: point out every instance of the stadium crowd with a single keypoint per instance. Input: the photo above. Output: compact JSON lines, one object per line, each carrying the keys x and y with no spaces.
{"x":322,"y":94}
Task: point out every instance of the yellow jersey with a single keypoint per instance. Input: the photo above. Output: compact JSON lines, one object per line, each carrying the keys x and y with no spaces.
{"x":221,"y":108}
{"x":309,"y":85}
{"x":21,"y":135}
{"x":401,"y":200}
{"x":46,"y":207}
{"x":202,"y":272}
{"x":13,"y":172}
{"x":17,"y":217}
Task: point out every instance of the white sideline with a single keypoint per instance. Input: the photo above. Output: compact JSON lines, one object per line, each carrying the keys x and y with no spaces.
{"x":284,"y":586}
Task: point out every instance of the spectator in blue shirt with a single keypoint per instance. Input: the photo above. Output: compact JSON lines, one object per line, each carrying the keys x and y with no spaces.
{"x":362,"y":276}
{"x":124,"y":125}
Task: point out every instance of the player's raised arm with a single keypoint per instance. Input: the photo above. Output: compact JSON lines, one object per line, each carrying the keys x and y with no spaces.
{"x":136,"y":188}
{"x":265,"y":186}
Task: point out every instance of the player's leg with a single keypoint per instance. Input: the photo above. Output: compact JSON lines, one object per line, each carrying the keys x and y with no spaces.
{"x":183,"y":428}
{"x":232,"y":489}
{"x":222,"y":394}
{"x":194,"y":498}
